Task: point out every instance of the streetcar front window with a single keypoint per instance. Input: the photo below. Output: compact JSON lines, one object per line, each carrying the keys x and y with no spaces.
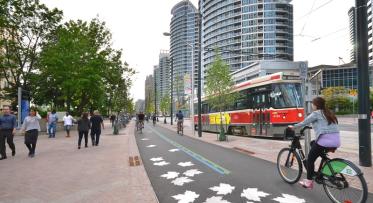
{"x":286,"y":95}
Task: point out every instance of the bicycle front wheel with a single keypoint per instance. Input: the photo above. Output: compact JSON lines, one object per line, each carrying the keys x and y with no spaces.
{"x":289,"y":165}
{"x":347,"y":184}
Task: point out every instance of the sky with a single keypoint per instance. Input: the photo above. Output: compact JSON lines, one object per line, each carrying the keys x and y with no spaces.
{"x":321,"y":32}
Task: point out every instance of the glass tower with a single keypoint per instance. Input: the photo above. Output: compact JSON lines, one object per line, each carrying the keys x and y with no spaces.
{"x":183,"y":52}
{"x":246,"y":31}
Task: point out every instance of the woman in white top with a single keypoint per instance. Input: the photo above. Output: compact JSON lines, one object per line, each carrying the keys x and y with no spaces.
{"x":32,"y":127}
{"x":67,"y":123}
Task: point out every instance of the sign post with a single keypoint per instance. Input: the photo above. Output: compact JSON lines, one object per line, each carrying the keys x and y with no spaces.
{"x":303,"y":70}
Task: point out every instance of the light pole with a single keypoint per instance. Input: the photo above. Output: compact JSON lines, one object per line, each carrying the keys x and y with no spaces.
{"x":199,"y":72}
{"x":365,"y":156}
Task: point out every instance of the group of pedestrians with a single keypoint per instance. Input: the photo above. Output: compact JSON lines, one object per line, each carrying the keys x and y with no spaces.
{"x":31,"y":127}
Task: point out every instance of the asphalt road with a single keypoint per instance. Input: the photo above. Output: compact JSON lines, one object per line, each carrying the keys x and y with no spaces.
{"x":182,"y":169}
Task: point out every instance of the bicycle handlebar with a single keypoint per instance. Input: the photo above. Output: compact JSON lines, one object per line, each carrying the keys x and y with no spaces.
{"x":304,"y":128}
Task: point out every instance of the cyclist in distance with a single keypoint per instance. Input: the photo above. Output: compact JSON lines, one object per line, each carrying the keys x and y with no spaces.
{"x":179,"y":118}
{"x":325,"y":125}
{"x":141,"y":117}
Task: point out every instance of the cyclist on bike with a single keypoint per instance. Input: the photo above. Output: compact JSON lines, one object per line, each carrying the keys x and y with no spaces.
{"x":140,"y":118}
{"x":325,"y":125}
{"x":180,"y":119}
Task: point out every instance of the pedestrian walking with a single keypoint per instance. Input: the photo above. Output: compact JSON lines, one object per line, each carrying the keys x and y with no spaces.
{"x":84,"y":125}
{"x":7,"y":130}
{"x":31,"y":128}
{"x":52,"y":124}
{"x":68,"y":123}
{"x":96,"y":123}
{"x":112,"y":120}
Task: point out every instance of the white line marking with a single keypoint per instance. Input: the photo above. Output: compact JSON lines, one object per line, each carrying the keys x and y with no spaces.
{"x":149,"y":146}
{"x":174,"y":150}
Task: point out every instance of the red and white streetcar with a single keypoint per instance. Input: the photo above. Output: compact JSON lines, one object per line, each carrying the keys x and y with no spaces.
{"x":265,"y":107}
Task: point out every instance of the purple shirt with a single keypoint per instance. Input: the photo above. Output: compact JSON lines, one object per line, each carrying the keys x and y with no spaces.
{"x":329,"y":140}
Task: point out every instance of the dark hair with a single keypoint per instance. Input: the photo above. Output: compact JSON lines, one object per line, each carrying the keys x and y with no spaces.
{"x":53,"y":111}
{"x":85,"y":115}
{"x":319,"y":102}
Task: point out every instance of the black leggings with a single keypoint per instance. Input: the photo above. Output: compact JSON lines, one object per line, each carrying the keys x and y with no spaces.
{"x":31,"y":137}
{"x":81,"y":133}
{"x":315,"y":151}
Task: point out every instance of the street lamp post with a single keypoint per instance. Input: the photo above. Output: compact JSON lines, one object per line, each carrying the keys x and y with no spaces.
{"x":365,"y":156}
{"x":155,"y":94}
{"x":199,"y":72}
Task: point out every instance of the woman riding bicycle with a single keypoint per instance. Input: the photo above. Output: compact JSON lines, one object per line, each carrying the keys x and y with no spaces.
{"x":325,"y":125}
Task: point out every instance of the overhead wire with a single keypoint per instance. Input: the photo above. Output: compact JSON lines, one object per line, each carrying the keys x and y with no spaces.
{"x":316,"y":9}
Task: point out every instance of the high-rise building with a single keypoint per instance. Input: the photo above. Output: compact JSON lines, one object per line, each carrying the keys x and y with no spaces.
{"x":183,"y":51}
{"x":164,"y":73}
{"x":157,"y":82}
{"x":353,"y":34}
{"x":352,"y":21}
{"x":140,"y":105}
{"x":149,"y":94}
{"x":246,"y":31}
{"x":370,"y":30}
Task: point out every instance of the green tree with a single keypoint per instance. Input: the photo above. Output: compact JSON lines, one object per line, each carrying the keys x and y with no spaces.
{"x":24,"y":26}
{"x":165,"y":105}
{"x":337,"y":99}
{"x":79,"y":69}
{"x":219,"y":86}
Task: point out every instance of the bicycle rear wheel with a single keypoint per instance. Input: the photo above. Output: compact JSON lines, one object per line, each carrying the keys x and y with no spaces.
{"x":347,"y":184}
{"x":289,"y":165}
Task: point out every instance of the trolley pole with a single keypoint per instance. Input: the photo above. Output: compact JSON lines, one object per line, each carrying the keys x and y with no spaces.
{"x":365,"y":156}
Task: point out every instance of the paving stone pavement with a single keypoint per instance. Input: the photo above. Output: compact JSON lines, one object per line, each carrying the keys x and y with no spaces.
{"x":268,"y":148}
{"x":60,"y":172}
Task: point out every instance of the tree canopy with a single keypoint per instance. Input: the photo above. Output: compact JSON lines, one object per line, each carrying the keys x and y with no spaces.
{"x":70,"y":66}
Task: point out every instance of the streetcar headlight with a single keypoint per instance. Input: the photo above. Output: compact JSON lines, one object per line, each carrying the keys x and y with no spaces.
{"x":300,"y":115}
{"x":283,"y":117}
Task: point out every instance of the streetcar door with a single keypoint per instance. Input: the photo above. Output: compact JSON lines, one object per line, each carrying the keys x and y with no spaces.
{"x":261,"y":114}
